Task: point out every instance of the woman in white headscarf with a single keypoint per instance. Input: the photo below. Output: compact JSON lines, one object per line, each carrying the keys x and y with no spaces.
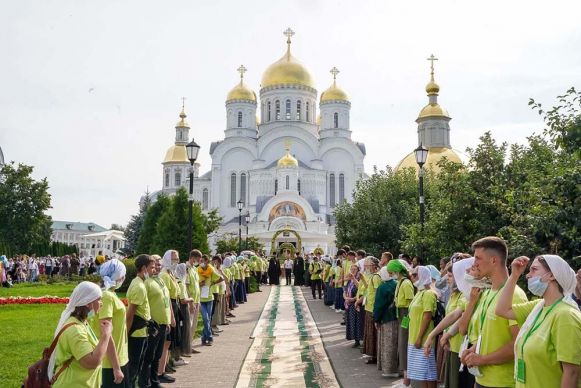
{"x":76,"y":360}
{"x":115,"y":364}
{"x":421,"y":368}
{"x":548,"y":346}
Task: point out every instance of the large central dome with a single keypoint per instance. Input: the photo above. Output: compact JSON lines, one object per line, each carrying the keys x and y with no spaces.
{"x":287,"y":71}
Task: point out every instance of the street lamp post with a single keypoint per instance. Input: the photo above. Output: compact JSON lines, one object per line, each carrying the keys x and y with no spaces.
{"x":192,"y":149}
{"x":240,"y":205}
{"x":421,"y":154}
{"x":247,"y":219}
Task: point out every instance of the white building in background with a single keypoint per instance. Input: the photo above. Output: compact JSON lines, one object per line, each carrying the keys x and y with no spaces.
{"x":89,"y":238}
{"x":288,"y":156}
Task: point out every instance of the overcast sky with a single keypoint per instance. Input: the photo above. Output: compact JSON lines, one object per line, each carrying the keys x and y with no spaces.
{"x":90,"y":90}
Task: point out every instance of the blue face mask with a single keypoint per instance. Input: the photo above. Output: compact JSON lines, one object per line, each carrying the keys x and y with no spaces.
{"x":90,"y":314}
{"x":536,"y":286}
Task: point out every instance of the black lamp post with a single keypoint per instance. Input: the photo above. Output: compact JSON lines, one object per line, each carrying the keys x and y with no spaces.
{"x":240,"y":205}
{"x":192,"y":149}
{"x":421,"y":154}
{"x":247,"y":219}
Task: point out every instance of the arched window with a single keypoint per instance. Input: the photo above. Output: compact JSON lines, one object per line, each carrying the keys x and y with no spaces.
{"x":243,"y":188}
{"x":275,"y":186}
{"x":233,"y":190}
{"x":299,"y":186}
{"x":332,"y":190}
{"x":178,"y":179}
{"x":298,"y":110}
{"x":167,"y":179}
{"x":239,"y":119}
{"x":277,"y":110}
{"x":268,"y":111}
{"x":288,"y":110}
{"x":287,"y":182}
{"x":341,"y":187}
{"x":205,"y":199}
{"x":336,"y":119}
{"x":307,"y":113}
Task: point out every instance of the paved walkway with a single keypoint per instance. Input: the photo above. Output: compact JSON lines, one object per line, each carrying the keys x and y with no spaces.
{"x":219,"y":365}
{"x":348,"y":363}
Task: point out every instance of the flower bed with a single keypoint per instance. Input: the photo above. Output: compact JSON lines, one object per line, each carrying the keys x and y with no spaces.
{"x":38,"y":300}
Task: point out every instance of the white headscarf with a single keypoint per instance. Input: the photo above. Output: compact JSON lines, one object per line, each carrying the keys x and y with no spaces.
{"x":227,"y":262}
{"x":166,"y":260}
{"x":361,"y":265}
{"x":111,"y":271}
{"x":384,"y":274}
{"x":181,"y":272}
{"x":424,"y":279}
{"x":83,"y":294}
{"x":565,"y":276}
{"x":459,"y":270}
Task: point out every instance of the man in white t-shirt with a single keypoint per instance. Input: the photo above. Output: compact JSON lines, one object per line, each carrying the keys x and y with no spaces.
{"x":288,"y":268}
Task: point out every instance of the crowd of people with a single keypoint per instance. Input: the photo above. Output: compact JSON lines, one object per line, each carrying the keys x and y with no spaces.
{"x":101,"y":342}
{"x":23,"y":268}
{"x":465,"y":324}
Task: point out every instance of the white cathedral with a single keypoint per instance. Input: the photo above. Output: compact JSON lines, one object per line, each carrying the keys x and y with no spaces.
{"x":289,"y":165}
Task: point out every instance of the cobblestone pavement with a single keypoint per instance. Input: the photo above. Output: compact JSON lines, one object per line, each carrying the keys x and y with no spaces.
{"x":207,"y":369}
{"x":348,"y":363}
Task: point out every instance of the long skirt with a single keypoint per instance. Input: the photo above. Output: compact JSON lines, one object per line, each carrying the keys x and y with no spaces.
{"x":455,"y":378}
{"x":387,"y":347}
{"x":175,"y":334}
{"x":329,"y":294}
{"x":369,"y":336}
{"x":402,"y":342}
{"x":186,"y":329}
{"x":420,"y":367}
{"x":354,"y":324}
{"x":339,"y":301}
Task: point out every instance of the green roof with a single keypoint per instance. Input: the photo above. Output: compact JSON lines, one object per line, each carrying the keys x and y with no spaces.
{"x":87,"y":227}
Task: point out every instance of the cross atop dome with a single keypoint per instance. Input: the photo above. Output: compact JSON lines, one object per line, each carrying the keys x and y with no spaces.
{"x":334,"y":71}
{"x":289,"y":34}
{"x":183,"y":113}
{"x":241,"y":70}
{"x":432,"y":87}
{"x":432,"y":58}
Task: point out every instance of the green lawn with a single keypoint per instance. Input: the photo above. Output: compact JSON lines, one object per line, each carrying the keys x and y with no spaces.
{"x":26,"y":331}
{"x":38,"y":289}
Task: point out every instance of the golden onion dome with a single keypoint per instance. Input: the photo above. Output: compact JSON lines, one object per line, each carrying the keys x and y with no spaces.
{"x":432,"y":87}
{"x":287,"y":161}
{"x":433,"y":110}
{"x":182,"y":123}
{"x":435,"y":154}
{"x":176,"y":154}
{"x":287,"y":70}
{"x":334,"y":92}
{"x":241,"y":92}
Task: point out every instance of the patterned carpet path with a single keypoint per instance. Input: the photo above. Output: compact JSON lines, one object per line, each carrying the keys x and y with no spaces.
{"x":287,"y":350}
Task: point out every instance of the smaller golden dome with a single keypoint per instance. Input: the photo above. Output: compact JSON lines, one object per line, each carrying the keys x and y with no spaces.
{"x":432,"y":87}
{"x":176,"y":154}
{"x":241,"y":92}
{"x":435,"y":154}
{"x":334,"y":93}
{"x":287,"y":161}
{"x":433,"y":110}
{"x":182,"y":123}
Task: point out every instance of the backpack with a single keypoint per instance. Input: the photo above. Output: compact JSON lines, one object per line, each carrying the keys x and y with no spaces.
{"x":440,"y":313}
{"x":38,"y":372}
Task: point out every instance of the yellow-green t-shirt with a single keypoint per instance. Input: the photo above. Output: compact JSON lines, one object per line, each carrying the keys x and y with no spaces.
{"x":76,"y":341}
{"x":371,"y":289}
{"x":194,"y":284}
{"x":208,"y":282}
{"x":314,"y":267}
{"x":159,"y":302}
{"x":171,"y":283}
{"x":456,"y":301}
{"x":424,"y":301}
{"x":327,"y":272}
{"x":346,"y":269}
{"x":137,"y":295}
{"x":361,"y":287}
{"x":495,"y":333}
{"x":557,"y":339}
{"x":404,"y":293}
{"x":112,"y":307}
{"x":338,"y":277}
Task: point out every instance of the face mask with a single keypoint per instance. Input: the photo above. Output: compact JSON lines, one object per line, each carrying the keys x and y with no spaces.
{"x":537,"y":286}
{"x":478,"y":283}
{"x":90,"y":314}
{"x":417,"y":284}
{"x":204,"y":265}
{"x":118,"y":284}
{"x":146,"y":275}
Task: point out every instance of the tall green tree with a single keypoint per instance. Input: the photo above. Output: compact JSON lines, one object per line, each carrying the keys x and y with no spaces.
{"x":23,"y":203}
{"x":148,"y":230}
{"x":135,"y":224}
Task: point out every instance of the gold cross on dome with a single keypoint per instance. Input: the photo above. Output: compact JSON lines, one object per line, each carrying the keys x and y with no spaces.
{"x":432,"y":58}
{"x":241,"y":70}
{"x":334,"y":71}
{"x":288,"y":33}
{"x":183,"y":103}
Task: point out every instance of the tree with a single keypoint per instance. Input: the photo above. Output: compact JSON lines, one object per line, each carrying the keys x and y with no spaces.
{"x":148,"y":230}
{"x":23,"y":203}
{"x":212,"y":221}
{"x":229,"y":243}
{"x":117,"y":227}
{"x":135,"y":224}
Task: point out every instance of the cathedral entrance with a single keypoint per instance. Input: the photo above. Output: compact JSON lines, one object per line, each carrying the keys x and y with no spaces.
{"x":278,"y":248}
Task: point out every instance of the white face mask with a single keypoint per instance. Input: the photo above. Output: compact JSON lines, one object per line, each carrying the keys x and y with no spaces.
{"x":118,"y":284}
{"x":478,"y":283}
{"x":90,"y":314}
{"x":146,"y":275}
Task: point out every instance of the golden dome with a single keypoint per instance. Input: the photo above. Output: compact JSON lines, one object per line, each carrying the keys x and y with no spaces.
{"x":432,"y":87}
{"x":287,"y":70}
{"x":182,"y":123}
{"x":334,"y":92}
{"x":287,"y":161}
{"x":241,"y":92}
{"x":176,"y":154}
{"x":433,"y":110}
{"x":435,"y":154}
